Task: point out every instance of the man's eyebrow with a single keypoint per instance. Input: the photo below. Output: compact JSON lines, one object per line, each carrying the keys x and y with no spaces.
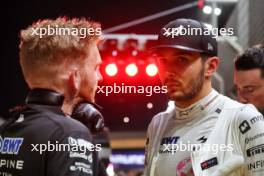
{"x":183,"y":53}
{"x":249,"y":86}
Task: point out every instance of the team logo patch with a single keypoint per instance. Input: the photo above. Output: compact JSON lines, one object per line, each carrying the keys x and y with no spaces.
{"x":10,"y":145}
{"x":244,"y":127}
{"x":209,"y":163}
{"x":255,"y":150}
{"x":202,"y":139}
{"x":184,"y":168}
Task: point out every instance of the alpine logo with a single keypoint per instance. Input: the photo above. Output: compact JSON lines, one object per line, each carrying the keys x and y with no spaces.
{"x":173,"y":31}
{"x":210,"y":47}
{"x":202,"y":139}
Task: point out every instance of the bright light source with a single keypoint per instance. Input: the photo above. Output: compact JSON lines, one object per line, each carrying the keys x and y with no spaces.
{"x":149,"y":105}
{"x":131,"y":70}
{"x":134,"y":53}
{"x":217,"y":11}
{"x":151,"y":70}
{"x":110,"y":169}
{"x":126,"y":119}
{"x":207,"y":9}
{"x":114,"y":53}
{"x":111,"y":69}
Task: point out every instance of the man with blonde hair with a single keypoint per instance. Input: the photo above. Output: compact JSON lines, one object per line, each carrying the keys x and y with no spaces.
{"x":60,"y":63}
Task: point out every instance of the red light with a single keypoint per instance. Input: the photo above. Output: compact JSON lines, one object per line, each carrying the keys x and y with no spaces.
{"x":200,"y":4}
{"x":151,"y":70}
{"x":131,"y":69}
{"x":111,"y":69}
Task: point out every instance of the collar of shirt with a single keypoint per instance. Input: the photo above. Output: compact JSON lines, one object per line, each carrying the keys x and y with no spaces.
{"x":195,"y":109}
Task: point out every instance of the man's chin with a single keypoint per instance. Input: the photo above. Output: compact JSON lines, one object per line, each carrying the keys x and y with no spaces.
{"x":176,"y":95}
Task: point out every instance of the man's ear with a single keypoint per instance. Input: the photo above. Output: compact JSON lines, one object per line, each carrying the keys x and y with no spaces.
{"x":211,"y":66}
{"x":74,"y":82}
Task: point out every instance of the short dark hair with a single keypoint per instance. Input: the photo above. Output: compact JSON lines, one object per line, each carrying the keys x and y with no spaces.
{"x":252,"y":58}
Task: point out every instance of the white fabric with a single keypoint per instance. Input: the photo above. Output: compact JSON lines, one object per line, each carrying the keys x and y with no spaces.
{"x":193,"y":123}
{"x":226,"y":131}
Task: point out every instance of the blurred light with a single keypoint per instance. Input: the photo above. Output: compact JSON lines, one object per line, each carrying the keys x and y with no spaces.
{"x":128,"y":159}
{"x":114,"y":53}
{"x":131,"y":69}
{"x":151,"y":70}
{"x":111,"y":69}
{"x":200,"y":3}
{"x":209,"y":26}
{"x":217,"y":11}
{"x":134,"y":52}
{"x":126,"y":119}
{"x":149,"y":105}
{"x":207,"y":9}
{"x":110,"y":170}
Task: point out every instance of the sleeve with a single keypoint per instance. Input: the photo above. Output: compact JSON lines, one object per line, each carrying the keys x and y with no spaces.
{"x":73,"y":155}
{"x":147,"y":148}
{"x":251,"y":137}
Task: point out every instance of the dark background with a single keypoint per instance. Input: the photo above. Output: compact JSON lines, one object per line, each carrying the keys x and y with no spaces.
{"x":110,"y":13}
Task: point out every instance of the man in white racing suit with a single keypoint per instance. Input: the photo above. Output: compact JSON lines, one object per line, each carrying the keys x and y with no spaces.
{"x":205,"y":133}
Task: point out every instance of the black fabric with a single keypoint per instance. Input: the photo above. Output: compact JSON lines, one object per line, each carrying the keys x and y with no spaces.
{"x":44,"y":97}
{"x":203,"y":42}
{"x":39,"y":125}
{"x":88,"y":114}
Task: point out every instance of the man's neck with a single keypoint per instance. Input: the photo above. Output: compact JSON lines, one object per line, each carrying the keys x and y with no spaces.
{"x":68,"y":105}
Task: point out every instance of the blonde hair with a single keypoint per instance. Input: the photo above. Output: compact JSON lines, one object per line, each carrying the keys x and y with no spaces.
{"x":49,"y":44}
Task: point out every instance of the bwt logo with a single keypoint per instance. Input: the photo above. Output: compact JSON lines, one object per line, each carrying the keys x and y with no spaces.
{"x":169,"y":140}
{"x":10,"y":145}
{"x":255,"y":150}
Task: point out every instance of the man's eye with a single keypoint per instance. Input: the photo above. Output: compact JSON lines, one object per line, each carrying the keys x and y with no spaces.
{"x":249,"y":89}
{"x":182,"y":59}
{"x":161,"y":60}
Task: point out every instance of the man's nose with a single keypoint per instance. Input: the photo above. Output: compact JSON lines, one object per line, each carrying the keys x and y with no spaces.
{"x":170,"y":74}
{"x":100,"y":77}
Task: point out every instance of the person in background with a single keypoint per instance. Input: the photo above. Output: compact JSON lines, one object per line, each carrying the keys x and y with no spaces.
{"x":249,"y":77}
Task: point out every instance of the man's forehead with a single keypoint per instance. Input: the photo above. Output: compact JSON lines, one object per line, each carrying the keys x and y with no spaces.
{"x":175,"y":51}
{"x":248,"y":77}
{"x":250,"y":73}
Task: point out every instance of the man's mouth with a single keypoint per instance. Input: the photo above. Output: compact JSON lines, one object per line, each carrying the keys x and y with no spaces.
{"x":172,"y":83}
